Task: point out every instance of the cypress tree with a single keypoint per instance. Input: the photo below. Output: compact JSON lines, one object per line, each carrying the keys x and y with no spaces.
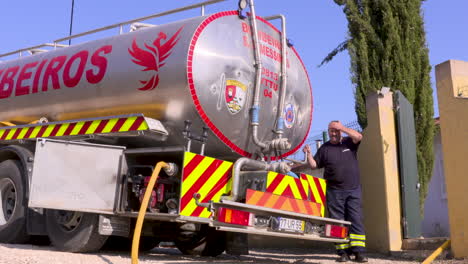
{"x":387,"y":46}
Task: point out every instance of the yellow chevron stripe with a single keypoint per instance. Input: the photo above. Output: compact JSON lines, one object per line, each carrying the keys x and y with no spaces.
{"x":2,"y":132}
{"x":188,"y":157}
{"x":189,"y":208}
{"x":143,"y":126}
{"x":192,"y":206}
{"x":10,"y":135}
{"x":196,"y":173}
{"x":35,"y":132}
{"x":128,"y":123}
{"x":48,"y":130}
{"x":22,"y":133}
{"x":288,"y":181}
{"x":62,"y":129}
{"x":305,"y":186}
{"x":77,"y":128}
{"x":294,"y":187}
{"x":94,"y":125}
{"x":216,"y":198}
{"x":281,"y":187}
{"x":110,"y":125}
{"x":215,"y":177}
{"x":213,"y":180}
{"x":315,"y":193}
{"x":271,"y":176}
{"x":323,"y":184}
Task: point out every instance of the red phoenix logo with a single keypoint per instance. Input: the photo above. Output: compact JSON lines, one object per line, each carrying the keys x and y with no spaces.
{"x":153,"y":57}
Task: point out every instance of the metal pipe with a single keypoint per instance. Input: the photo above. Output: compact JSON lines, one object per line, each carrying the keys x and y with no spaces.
{"x":165,"y":13}
{"x":255,"y":110}
{"x":33,"y":47}
{"x":202,"y":10}
{"x":279,"y":113}
{"x":210,"y":2}
{"x":246,"y":163}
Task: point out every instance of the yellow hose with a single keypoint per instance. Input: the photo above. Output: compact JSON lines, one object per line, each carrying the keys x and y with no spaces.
{"x":142,"y":212}
{"x":6,"y":123}
{"x":437,"y":252}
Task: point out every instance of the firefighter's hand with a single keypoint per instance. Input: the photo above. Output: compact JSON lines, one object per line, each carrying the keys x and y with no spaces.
{"x":306,"y":149}
{"x":336,"y":125}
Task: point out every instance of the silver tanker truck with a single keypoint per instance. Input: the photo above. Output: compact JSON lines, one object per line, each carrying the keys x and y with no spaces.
{"x":174,"y":132}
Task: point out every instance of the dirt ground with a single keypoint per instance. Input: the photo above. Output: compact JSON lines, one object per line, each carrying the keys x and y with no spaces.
{"x":33,"y":254}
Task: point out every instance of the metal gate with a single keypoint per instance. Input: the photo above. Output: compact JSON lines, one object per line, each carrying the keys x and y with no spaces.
{"x":408,"y":166}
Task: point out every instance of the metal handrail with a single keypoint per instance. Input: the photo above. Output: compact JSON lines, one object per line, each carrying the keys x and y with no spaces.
{"x":120,"y":25}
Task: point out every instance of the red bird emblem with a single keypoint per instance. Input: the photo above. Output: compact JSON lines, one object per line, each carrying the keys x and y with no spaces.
{"x":152,"y":58}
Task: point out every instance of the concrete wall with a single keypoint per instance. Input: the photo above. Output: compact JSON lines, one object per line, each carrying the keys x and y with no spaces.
{"x":435,"y":222}
{"x":378,"y":162}
{"x":452,"y":91}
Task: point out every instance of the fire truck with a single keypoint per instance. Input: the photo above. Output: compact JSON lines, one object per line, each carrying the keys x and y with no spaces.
{"x":174,"y":132}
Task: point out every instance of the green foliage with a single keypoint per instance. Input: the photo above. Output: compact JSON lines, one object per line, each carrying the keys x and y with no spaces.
{"x":387,"y":46}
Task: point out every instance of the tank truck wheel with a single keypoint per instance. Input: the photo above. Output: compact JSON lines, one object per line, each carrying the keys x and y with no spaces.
{"x":206,"y":242}
{"x":74,"y":231}
{"x":13,"y":204}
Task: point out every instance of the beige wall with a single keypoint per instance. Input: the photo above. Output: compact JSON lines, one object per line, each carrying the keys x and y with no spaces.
{"x":452,"y":92}
{"x":378,"y":162}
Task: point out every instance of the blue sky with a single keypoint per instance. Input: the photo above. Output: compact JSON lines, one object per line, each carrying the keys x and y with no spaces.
{"x":315,"y":26}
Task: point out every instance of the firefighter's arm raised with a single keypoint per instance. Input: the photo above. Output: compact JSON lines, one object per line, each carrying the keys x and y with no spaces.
{"x":353,"y":134}
{"x":310,"y":159}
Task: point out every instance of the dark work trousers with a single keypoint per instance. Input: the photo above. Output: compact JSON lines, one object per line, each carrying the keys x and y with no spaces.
{"x":346,"y":205}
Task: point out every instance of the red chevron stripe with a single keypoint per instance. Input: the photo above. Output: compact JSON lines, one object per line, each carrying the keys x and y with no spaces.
{"x":17,"y":132}
{"x":271,"y":188}
{"x":308,"y":208}
{"x":85,"y":127}
{"x":29,"y":132}
{"x":219,"y":185}
{"x":55,"y":130}
{"x":312,"y":197}
{"x":5,"y":134}
{"x":280,"y":202}
{"x":264,"y":199}
{"x":69,"y":129}
{"x":319,"y":188}
{"x":288,"y":192}
{"x":101,"y":126}
{"x":301,"y":189}
{"x":41,"y":132}
{"x":118,"y":125}
{"x":199,"y":183}
{"x":294,"y":205}
{"x":191,"y":166}
{"x":137,"y":123}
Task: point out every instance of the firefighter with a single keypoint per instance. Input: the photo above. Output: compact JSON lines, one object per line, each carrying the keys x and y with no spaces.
{"x":339,"y":158}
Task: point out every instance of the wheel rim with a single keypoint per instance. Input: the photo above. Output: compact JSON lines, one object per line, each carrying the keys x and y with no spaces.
{"x":8,"y":196}
{"x":68,"y":220}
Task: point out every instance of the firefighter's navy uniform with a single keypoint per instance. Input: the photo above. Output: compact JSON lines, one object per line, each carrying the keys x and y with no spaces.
{"x":343,"y":190}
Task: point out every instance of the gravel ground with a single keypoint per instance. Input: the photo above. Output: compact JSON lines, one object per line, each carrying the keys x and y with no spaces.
{"x":31,"y":254}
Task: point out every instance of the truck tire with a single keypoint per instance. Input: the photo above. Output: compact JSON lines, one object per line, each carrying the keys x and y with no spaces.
{"x":206,"y":242}
{"x":74,"y":231}
{"x":13,"y":203}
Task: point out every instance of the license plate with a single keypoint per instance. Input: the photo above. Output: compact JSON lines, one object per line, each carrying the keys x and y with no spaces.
{"x":291,"y":225}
